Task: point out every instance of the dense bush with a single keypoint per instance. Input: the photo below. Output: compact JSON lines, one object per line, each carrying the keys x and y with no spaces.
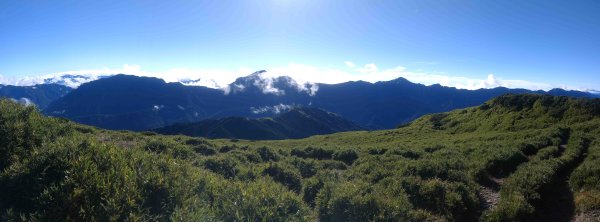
{"x":310,"y":190}
{"x":312,"y":152}
{"x":375,"y":151}
{"x":266,"y":154}
{"x":307,"y":168}
{"x":505,"y":161}
{"x":346,"y":156}
{"x":410,"y":154}
{"x":222,"y":165}
{"x":204,"y":150}
{"x":355,"y":201}
{"x":261,"y":200}
{"x":284,"y":175}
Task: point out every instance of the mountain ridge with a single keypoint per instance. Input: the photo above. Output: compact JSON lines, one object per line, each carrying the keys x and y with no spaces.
{"x":298,"y":122}
{"x":111,"y":102}
{"x":40,"y":95}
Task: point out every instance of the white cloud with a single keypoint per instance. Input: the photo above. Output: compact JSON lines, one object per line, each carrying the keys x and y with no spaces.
{"x":157,"y":107}
{"x":276,"y":109}
{"x":368,"y":68}
{"x":302,"y":74}
{"x":24,"y":101}
{"x":350,"y":64}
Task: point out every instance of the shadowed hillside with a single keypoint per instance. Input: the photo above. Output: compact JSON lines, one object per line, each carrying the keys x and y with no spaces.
{"x":299,"y":122}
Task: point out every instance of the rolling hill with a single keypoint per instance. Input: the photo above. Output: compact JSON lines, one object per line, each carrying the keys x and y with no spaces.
{"x":298,"y":122}
{"x":514,"y":158}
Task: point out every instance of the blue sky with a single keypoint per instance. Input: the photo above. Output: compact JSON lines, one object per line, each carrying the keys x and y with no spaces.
{"x":532,"y":44}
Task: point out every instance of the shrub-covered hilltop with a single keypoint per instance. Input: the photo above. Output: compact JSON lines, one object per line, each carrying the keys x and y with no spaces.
{"x":515,"y":158}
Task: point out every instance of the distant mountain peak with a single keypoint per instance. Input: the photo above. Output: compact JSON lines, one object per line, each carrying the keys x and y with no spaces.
{"x":259,"y":72}
{"x":399,"y":80}
{"x":259,"y":82}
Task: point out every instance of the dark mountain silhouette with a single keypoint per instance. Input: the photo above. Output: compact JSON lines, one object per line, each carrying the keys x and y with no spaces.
{"x":41,"y":95}
{"x":298,"y":122}
{"x":141,"y":103}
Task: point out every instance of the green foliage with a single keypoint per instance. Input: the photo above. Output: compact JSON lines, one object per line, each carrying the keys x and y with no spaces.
{"x":346,"y":156}
{"x":261,"y":200}
{"x":266,"y":154}
{"x":284,"y":175}
{"x":430,"y":170}
{"x":312,"y":152}
{"x":307,"y":168}
{"x":356,"y":201}
{"x":227,"y":167}
{"x":311,"y":188}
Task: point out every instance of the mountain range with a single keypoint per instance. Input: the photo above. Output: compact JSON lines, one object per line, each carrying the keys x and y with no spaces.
{"x":40,"y":95}
{"x":298,"y":122}
{"x":142,"y":103}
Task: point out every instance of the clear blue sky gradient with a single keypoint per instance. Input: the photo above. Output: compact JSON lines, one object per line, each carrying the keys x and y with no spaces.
{"x":556,"y":42}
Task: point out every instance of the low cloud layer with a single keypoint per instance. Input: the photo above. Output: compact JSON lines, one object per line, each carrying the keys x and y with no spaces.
{"x":24,"y":101}
{"x":303,"y":75}
{"x":276,"y":109}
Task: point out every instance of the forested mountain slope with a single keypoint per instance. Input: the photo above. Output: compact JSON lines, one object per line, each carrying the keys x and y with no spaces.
{"x":507,"y":160}
{"x":299,"y":122}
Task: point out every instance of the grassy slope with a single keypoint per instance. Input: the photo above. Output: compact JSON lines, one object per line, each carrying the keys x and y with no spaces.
{"x":428,"y":170}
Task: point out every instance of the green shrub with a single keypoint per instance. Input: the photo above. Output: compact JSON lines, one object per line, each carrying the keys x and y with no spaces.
{"x":157,"y":146}
{"x":409,"y":154}
{"x":224,"y":166}
{"x":311,"y":152}
{"x":375,"y":151}
{"x":307,"y":168}
{"x":261,"y":200}
{"x":355,"y":202}
{"x":311,"y":188}
{"x":332,"y":165}
{"x":204,"y":150}
{"x":196,"y":141}
{"x":346,"y":156}
{"x":266,"y":154}
{"x":505,"y":161}
{"x":285,"y":176}
{"x":227,"y":148}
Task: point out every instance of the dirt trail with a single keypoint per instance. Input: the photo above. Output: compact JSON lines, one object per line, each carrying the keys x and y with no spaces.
{"x":489,"y":197}
{"x":557,"y":202}
{"x":489,"y":191}
{"x":590,"y":216}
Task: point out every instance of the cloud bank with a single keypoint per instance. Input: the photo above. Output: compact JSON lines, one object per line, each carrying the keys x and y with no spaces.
{"x":302,"y":75}
{"x":276,"y":109}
